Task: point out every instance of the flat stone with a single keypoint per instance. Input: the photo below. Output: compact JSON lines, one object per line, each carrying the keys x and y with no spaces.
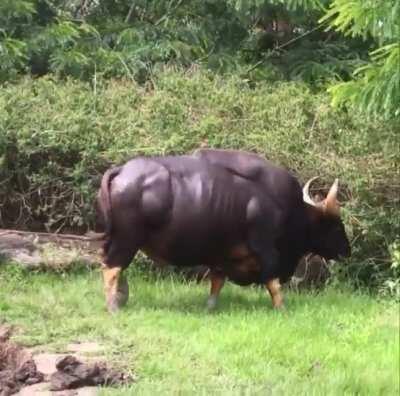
{"x":88,"y":391}
{"x":43,"y":389}
{"x":85,"y":347}
{"x":46,"y":362}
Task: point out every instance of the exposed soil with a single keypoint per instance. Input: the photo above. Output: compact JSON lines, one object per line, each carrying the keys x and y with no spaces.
{"x":17,"y":368}
{"x":74,"y":373}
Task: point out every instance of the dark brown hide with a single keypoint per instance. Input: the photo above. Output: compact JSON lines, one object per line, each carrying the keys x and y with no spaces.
{"x":232,"y":211}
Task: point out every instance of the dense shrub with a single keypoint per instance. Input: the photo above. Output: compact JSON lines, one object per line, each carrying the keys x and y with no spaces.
{"x":57,"y":137}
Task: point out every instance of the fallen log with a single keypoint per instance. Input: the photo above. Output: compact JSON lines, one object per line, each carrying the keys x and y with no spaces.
{"x":40,"y":249}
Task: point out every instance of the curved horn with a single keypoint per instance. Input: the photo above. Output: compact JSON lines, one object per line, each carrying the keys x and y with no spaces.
{"x":331,"y":203}
{"x":332,"y":194}
{"x":306,"y":193}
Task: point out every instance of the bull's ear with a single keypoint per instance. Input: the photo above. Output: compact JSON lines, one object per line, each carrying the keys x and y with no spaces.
{"x":331,"y":204}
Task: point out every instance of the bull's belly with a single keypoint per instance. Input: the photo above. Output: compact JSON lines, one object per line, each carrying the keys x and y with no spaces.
{"x":236,"y":262}
{"x":245,"y":273}
{"x":187,"y":245}
{"x":184,"y":256}
{"x":244,"y":268}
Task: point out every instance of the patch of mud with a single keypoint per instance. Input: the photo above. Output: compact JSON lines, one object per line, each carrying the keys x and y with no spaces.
{"x":42,"y":374}
{"x":17,"y":367}
{"x":72,"y":373}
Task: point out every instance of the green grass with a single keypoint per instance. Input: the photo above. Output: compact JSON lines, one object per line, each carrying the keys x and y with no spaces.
{"x":330,"y":343}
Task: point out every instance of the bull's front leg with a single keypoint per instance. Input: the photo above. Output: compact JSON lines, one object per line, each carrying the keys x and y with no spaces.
{"x":217,"y":282}
{"x":274,"y":288}
{"x":269,"y":262}
{"x":269,"y":278}
{"x":116,"y":287}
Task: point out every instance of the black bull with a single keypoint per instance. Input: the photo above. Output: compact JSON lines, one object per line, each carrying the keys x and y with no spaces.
{"x":243,"y":217}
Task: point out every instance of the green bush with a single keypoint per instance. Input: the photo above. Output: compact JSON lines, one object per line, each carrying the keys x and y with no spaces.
{"x":57,"y":137}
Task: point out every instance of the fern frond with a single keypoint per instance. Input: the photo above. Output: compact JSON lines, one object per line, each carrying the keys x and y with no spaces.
{"x":376,"y":88}
{"x":378,"y":18}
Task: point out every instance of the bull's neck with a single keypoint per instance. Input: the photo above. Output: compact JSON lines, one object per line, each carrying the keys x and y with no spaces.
{"x":297,"y":241}
{"x":313,"y":216}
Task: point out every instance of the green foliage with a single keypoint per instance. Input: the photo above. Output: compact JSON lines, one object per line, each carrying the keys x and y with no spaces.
{"x":316,"y":63}
{"x":307,"y":5}
{"x":56,"y":139}
{"x":132,"y":39}
{"x":391,"y":285}
{"x":13,"y":55}
{"x":377,"y":18}
{"x":376,"y":85}
{"x":119,"y":38}
{"x":136,"y":39}
{"x":377,"y":90}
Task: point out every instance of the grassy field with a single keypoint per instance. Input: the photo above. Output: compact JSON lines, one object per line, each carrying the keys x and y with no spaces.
{"x":331,"y":343}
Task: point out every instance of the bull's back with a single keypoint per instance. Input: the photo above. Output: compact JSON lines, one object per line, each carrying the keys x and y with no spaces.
{"x":276,"y":182}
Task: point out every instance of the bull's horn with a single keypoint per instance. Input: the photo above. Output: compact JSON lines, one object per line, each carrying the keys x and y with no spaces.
{"x":331,"y":204}
{"x":332,"y":194}
{"x":306,"y":192}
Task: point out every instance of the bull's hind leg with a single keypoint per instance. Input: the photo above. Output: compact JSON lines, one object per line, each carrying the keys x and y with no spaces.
{"x":217,"y":282}
{"x":117,"y":257}
{"x":116,"y":288}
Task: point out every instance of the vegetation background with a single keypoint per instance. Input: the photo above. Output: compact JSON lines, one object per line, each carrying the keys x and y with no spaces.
{"x":310,"y":84}
{"x":313,"y":85}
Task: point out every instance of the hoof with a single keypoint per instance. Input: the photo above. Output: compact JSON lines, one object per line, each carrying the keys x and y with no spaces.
{"x":113,"y":305}
{"x":212,"y":303}
{"x":117,"y":300}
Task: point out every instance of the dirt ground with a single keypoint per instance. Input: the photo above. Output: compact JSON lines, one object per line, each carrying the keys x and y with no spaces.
{"x":17,"y":368}
{"x":79,"y":371}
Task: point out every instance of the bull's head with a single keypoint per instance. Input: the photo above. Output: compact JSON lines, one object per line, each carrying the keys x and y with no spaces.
{"x":328,"y":235}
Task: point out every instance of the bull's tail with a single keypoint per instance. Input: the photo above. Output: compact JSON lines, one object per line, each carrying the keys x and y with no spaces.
{"x":104,"y":199}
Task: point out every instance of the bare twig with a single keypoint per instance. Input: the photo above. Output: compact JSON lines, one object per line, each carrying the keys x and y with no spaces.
{"x":129,"y":14}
